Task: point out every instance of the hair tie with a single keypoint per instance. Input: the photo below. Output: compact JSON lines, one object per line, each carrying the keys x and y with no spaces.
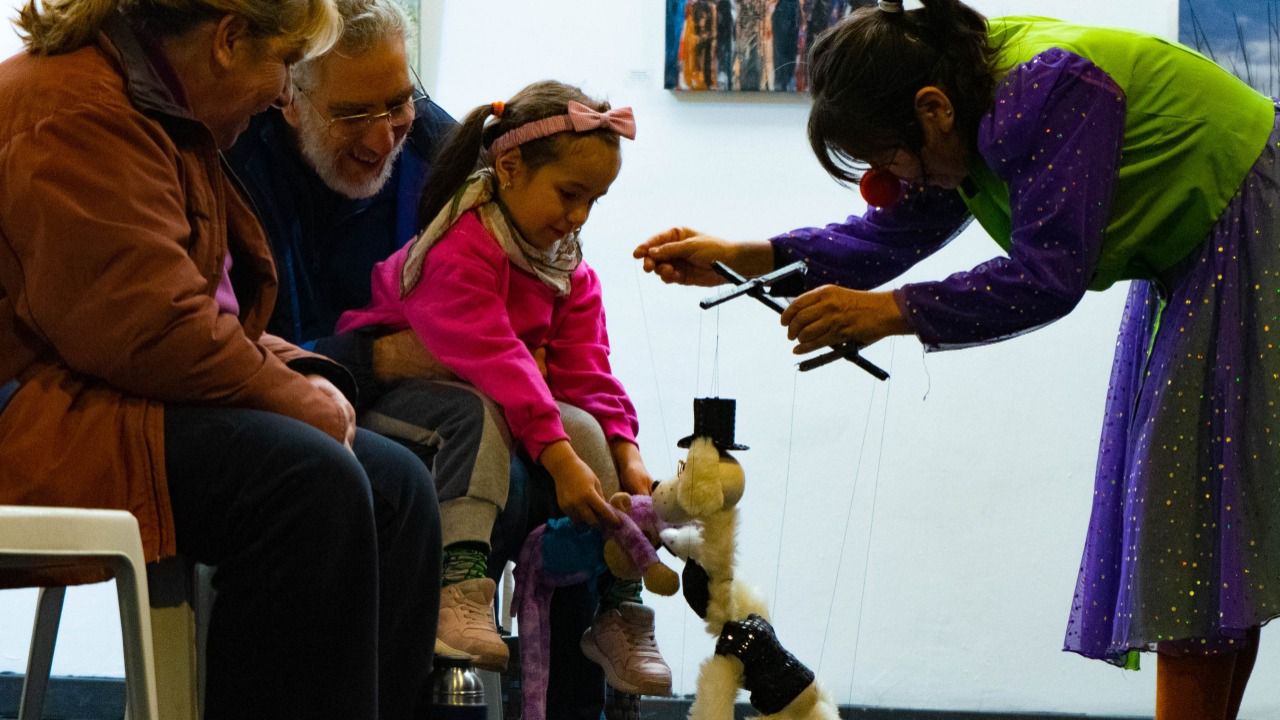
{"x":498,"y":107}
{"x":892,"y":6}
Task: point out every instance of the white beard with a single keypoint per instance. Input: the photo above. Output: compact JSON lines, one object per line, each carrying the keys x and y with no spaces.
{"x":312,"y":132}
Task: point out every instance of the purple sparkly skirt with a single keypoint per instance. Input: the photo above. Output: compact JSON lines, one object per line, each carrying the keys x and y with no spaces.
{"x":1183,"y":550}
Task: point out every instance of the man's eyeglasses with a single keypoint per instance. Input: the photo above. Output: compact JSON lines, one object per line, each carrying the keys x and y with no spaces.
{"x":349,"y":127}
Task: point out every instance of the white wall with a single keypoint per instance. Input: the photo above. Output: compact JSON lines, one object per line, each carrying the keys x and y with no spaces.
{"x":10,"y":43}
{"x":928,"y":528}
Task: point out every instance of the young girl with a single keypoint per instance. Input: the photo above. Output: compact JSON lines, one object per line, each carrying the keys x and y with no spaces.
{"x":496,"y":289}
{"x":1091,"y":156}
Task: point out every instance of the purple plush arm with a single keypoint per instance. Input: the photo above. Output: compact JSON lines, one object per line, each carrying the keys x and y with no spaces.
{"x":632,"y":539}
{"x":534,"y":586}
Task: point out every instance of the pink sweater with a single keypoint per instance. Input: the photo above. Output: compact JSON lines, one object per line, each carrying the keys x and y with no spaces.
{"x":481,"y":317}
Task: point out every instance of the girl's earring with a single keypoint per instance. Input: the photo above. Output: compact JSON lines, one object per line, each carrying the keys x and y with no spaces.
{"x":506,"y":185}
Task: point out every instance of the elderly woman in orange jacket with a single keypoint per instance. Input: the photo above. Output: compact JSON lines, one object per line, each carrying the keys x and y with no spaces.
{"x":134,"y":289}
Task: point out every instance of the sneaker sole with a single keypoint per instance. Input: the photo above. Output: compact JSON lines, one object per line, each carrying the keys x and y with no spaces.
{"x":444,"y":649}
{"x":593,"y":653}
{"x":496,"y":663}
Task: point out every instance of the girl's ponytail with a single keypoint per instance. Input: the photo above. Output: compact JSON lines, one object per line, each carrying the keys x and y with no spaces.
{"x":454,"y":162}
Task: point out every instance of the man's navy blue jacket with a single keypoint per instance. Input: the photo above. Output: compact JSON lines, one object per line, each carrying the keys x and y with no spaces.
{"x":325,"y":245}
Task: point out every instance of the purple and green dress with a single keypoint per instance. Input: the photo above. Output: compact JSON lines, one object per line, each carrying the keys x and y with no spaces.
{"x":1110,"y":155}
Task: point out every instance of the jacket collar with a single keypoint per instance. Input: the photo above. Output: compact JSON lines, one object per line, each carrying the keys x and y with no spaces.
{"x":150,"y":82}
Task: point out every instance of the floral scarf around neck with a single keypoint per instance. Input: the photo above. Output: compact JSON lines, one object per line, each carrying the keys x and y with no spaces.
{"x":553,"y":266}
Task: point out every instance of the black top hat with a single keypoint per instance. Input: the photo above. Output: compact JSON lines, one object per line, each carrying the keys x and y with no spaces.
{"x":713,"y":418}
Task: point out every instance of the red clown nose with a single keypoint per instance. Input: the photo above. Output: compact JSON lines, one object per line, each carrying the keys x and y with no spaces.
{"x":880,"y":188}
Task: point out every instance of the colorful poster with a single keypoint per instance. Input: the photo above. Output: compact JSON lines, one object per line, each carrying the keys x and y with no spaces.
{"x":745,"y":45}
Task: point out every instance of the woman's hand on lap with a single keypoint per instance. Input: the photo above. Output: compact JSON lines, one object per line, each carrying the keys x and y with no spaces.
{"x":344,"y":406}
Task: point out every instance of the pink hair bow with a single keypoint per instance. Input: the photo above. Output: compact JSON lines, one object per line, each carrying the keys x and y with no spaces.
{"x":619,"y":120}
{"x":579,"y":118}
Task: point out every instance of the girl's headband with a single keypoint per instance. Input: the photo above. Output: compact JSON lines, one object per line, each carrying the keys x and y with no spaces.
{"x":893,"y":6}
{"x":580,"y":118}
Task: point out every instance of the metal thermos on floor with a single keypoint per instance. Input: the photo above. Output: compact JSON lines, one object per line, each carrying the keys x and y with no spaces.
{"x":457,"y":692}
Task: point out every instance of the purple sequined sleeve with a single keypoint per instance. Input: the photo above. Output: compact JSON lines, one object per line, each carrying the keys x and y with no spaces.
{"x":1054,"y":137}
{"x":869,"y":250}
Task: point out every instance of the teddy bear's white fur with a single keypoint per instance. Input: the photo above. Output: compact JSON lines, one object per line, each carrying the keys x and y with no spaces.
{"x":706,"y":492}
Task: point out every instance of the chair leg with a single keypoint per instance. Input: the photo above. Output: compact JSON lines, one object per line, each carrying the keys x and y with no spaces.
{"x":202,"y":600}
{"x":135,"y":627}
{"x":492,"y":682}
{"x":44,"y":636}
{"x":174,"y":633}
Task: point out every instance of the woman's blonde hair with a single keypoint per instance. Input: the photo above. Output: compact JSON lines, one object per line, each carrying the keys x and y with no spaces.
{"x":49,"y":27}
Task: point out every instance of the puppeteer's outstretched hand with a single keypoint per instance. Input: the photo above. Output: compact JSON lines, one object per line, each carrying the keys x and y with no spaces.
{"x":684,"y":256}
{"x":831,"y":315}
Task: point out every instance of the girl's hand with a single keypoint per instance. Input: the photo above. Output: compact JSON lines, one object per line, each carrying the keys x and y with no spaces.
{"x":578,"y":490}
{"x":633,"y":476}
{"x":831,"y":315}
{"x":684,"y":256}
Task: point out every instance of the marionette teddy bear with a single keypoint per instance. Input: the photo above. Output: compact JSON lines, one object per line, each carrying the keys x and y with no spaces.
{"x":747,"y":655}
{"x":560,"y":553}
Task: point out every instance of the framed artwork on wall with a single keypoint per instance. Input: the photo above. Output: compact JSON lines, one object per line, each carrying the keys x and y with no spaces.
{"x":1242,"y":36}
{"x":745,"y":45}
{"x":415,"y":44}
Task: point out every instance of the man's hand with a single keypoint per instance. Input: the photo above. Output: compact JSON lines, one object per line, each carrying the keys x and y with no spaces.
{"x":540,"y":357}
{"x":401,"y":356}
{"x":344,"y":406}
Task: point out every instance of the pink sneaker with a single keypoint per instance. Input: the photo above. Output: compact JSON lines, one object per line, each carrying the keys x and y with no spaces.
{"x":621,"y":641}
{"x":466,"y":623}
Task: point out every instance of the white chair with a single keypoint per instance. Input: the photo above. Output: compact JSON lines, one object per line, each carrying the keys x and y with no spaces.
{"x":42,"y":538}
